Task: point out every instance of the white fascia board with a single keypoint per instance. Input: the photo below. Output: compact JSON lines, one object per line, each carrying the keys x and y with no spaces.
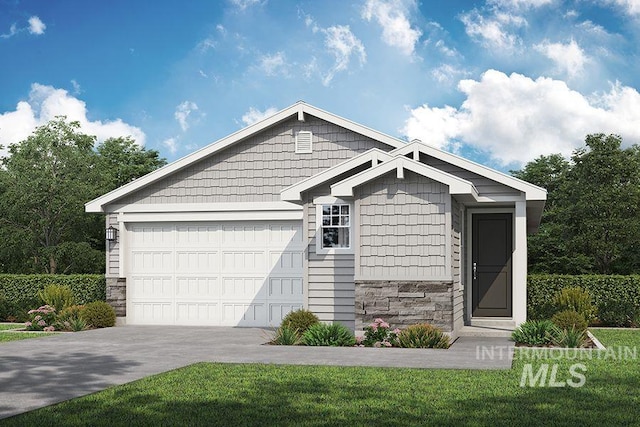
{"x":211,"y":216}
{"x":456,"y":185}
{"x":277,"y":206}
{"x":299,"y":109}
{"x":533,"y":192}
{"x":294,"y":192}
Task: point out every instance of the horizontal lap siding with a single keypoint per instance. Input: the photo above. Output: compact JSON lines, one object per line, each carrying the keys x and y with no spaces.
{"x":456,"y":267}
{"x":331,"y":288}
{"x":402,"y":225}
{"x":113,"y":249}
{"x":257,"y":169}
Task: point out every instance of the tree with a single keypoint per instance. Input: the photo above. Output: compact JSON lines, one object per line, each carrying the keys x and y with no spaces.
{"x":47,"y":179}
{"x":121,"y":161}
{"x":45,"y":182}
{"x":591,"y":221}
{"x":603,"y":202}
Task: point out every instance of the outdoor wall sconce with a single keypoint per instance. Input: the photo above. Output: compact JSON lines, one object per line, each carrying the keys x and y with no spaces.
{"x":111,"y":234}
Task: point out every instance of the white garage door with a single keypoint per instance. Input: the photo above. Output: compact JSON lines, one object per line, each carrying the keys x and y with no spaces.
{"x":224,"y":273}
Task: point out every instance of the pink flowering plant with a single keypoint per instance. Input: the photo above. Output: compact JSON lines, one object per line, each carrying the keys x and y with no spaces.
{"x":379,"y":334}
{"x":41,"y":319}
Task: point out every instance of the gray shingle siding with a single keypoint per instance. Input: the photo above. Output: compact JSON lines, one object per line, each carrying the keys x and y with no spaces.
{"x":258,"y":168}
{"x":456,"y":264}
{"x":485,"y":186}
{"x":403,"y":230}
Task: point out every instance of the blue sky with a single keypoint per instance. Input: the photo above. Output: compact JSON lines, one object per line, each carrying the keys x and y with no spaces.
{"x":498,"y":81}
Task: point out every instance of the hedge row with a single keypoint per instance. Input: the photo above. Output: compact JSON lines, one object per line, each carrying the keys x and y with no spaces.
{"x":19,"y":292}
{"x":613,"y":296}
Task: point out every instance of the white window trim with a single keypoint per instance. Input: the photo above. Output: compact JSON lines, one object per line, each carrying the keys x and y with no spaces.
{"x":333,"y":251}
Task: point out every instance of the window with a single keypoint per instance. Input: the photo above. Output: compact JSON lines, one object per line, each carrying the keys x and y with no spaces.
{"x":304,"y":142}
{"x":336,"y":224}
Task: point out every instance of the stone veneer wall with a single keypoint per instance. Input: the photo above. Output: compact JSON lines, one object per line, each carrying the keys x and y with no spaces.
{"x":117,"y":295}
{"x":404,"y":303}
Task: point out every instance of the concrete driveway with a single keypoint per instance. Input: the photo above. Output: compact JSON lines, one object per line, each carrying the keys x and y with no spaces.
{"x":39,"y":372}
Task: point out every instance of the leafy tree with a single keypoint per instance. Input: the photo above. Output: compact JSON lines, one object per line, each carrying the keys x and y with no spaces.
{"x":48,"y":178}
{"x":45,"y":182}
{"x":591,"y":221}
{"x":121,"y":161}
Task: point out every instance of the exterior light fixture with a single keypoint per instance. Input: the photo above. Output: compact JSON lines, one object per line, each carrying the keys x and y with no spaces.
{"x":111,"y":234}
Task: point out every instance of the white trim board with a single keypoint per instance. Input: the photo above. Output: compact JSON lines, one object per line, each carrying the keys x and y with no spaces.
{"x":207,"y":207}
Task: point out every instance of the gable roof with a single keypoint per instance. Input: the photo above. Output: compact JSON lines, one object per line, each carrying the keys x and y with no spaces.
{"x":299,"y":109}
{"x":399,"y":163}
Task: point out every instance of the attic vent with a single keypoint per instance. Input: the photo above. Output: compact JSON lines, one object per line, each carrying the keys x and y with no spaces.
{"x":303,"y":142}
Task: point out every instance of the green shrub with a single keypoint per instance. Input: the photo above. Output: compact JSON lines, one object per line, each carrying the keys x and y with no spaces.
{"x":334,"y":335}
{"x":569,"y":338}
{"x":286,"y":336}
{"x":21,"y":290}
{"x":616,"y":312}
{"x":300,"y":320}
{"x":534,"y":333}
{"x":57,"y":296}
{"x":98,"y":314}
{"x":71,"y":312}
{"x":73,"y":324}
{"x":379,"y":334}
{"x":541,"y":289}
{"x":423,"y":336}
{"x":41,"y":319}
{"x":569,"y":319}
{"x":577,"y":299}
{"x":5,"y":308}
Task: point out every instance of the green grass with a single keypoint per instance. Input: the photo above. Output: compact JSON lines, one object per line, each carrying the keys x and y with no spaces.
{"x":227,"y":395}
{"x":15,"y":336}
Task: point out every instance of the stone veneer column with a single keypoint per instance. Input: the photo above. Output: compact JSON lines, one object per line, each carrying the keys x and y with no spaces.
{"x":117,"y":295}
{"x":404,"y":303}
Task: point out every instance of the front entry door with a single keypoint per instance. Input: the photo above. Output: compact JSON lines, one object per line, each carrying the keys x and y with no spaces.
{"x":491,"y":265}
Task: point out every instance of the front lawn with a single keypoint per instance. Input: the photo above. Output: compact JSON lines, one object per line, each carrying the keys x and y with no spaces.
{"x":14,"y":336}
{"x":226,"y":395}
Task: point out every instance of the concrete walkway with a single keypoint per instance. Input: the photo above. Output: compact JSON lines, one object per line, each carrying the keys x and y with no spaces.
{"x":39,"y":372}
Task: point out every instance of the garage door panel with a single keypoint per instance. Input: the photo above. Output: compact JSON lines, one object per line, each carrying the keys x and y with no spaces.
{"x":153,"y":313}
{"x":243,"y":288}
{"x":237,"y":273}
{"x":194,"y":313}
{"x":286,"y":261}
{"x":197,"y":287}
{"x":244,"y":314}
{"x":196,"y":261}
{"x":146,"y":287}
{"x":277,"y":311}
{"x":198,"y":235}
{"x":152,"y":261}
{"x":244,"y":261}
{"x":285,"y":288}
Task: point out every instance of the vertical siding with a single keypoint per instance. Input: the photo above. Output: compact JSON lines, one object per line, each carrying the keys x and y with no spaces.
{"x":331,"y":288}
{"x":113,"y":249}
{"x":403,"y":228}
{"x":456,"y":264}
{"x":258,"y":168}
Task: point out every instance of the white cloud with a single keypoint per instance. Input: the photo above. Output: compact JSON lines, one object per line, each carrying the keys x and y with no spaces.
{"x":521,"y":4}
{"x":13,"y":30}
{"x":171,"y":144}
{"x":244,"y":4}
{"x":47,"y":102}
{"x":630,"y":7}
{"x":36,"y":26}
{"x":569,"y":58}
{"x":182,"y":113}
{"x":447,"y":74}
{"x":76,"y":87}
{"x":275,"y":64}
{"x":342,"y":43}
{"x":254,"y":115}
{"x":493,"y":31}
{"x":392,"y":17}
{"x":516,"y":119}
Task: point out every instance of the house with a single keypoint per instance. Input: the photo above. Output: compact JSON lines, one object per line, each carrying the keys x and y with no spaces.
{"x":308,"y":209}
